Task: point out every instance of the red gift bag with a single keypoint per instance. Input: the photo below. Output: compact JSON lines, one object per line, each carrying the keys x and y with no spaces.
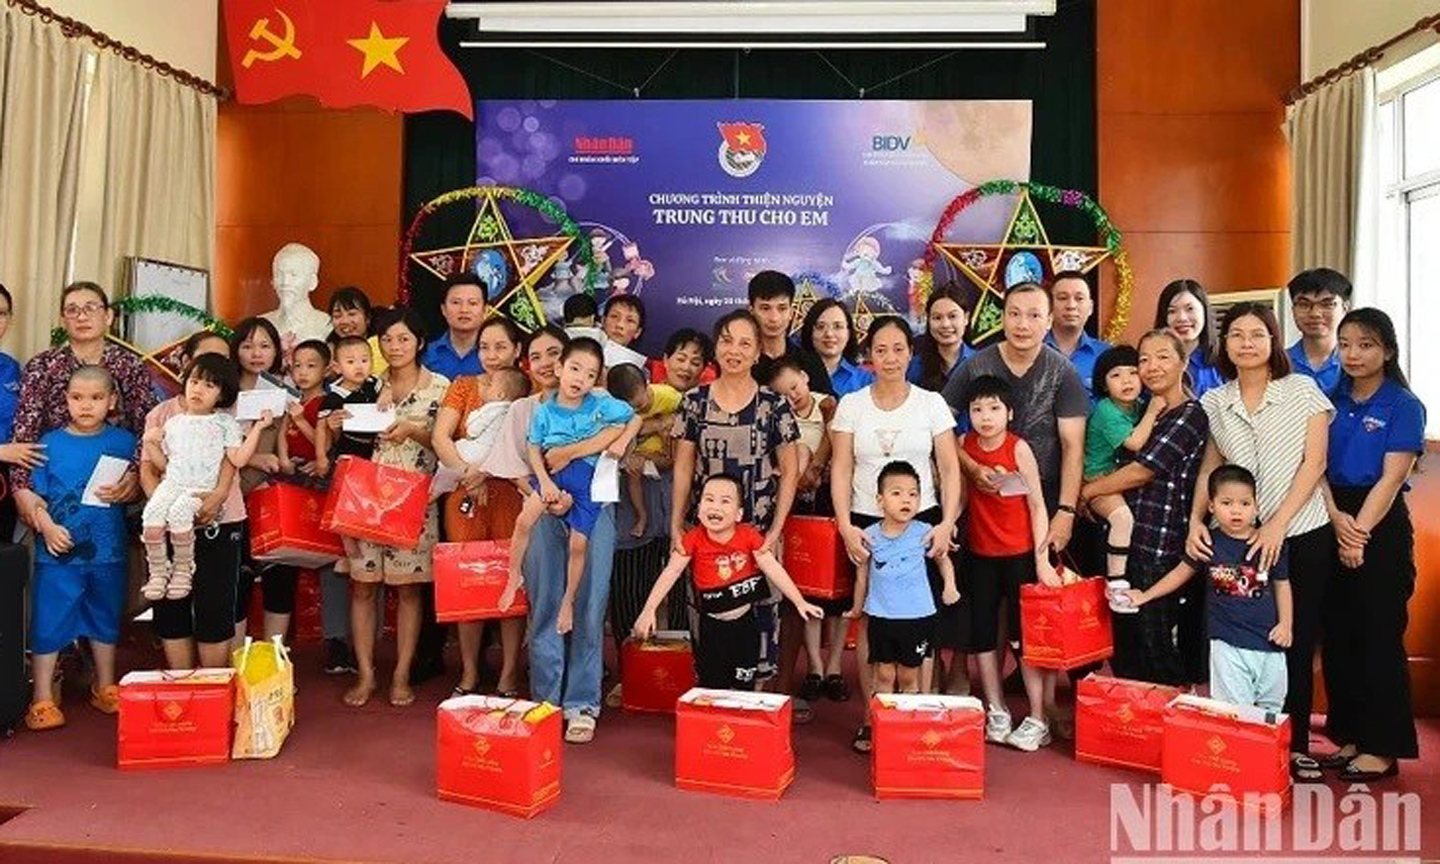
{"x":656,"y":672}
{"x":927,"y":746}
{"x":469,"y":579}
{"x":501,"y":754}
{"x":169,"y":719}
{"x":733,"y":743}
{"x":1065,"y":627}
{"x":1120,"y":722}
{"x":814,"y":556}
{"x":285,"y":527}
{"x":307,"y":625}
{"x":1239,"y":753}
{"x":381,"y":503}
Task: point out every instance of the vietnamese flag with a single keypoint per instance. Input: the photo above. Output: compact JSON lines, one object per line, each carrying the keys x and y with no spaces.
{"x":344,"y":52}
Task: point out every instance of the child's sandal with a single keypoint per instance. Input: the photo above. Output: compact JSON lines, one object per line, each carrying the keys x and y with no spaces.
{"x":155,"y":587}
{"x":105,"y":699}
{"x":44,"y":715}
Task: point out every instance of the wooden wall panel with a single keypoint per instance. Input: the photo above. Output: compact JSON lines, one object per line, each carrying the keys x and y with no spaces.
{"x":1193,"y":166}
{"x":291,"y":171}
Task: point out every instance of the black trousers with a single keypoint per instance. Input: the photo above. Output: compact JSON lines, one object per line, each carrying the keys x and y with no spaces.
{"x":1145,"y":646}
{"x":208,"y":614}
{"x":1312,"y":563}
{"x":1367,"y":674}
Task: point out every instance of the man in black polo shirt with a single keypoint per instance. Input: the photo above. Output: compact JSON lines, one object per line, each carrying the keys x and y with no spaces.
{"x":772,"y":302}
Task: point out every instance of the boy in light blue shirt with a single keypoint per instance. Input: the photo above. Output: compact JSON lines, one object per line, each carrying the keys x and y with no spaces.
{"x":891,"y":586}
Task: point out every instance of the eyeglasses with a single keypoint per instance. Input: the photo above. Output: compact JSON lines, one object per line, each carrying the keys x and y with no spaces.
{"x":1328,"y":304}
{"x":73,"y":312}
{"x":1256,"y":336}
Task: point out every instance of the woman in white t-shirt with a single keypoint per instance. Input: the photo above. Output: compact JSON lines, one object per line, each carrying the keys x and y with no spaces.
{"x":893,"y":420}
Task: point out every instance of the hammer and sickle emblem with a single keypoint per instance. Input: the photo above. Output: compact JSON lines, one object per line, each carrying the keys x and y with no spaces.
{"x":281,"y":46}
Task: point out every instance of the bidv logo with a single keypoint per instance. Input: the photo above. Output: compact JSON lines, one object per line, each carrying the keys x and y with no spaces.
{"x":742,"y":148}
{"x":889,"y":143}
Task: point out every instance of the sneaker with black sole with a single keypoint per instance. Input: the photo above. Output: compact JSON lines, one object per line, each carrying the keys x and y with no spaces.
{"x":338,"y":659}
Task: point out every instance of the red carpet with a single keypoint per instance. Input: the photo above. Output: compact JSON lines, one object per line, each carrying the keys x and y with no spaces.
{"x":358,"y":786}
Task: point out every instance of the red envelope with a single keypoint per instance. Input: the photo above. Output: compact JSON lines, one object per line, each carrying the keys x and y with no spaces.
{"x":927,"y":746}
{"x":1239,"y":753}
{"x":171,"y":719}
{"x":469,"y":579}
{"x":500,"y":754}
{"x":285,"y":527}
{"x":1065,"y":627}
{"x":734,"y":743}
{"x":380,"y":503}
{"x":814,"y":556}
{"x":656,"y":672}
{"x":1120,"y":722}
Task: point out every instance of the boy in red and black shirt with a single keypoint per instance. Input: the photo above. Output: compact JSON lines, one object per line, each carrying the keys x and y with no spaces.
{"x":729,"y":572}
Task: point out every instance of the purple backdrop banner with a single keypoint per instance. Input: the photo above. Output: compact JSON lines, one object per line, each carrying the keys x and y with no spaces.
{"x":684,"y":200}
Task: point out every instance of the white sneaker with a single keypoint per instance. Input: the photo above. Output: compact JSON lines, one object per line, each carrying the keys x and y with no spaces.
{"x":1029,"y":736}
{"x":997,"y":725}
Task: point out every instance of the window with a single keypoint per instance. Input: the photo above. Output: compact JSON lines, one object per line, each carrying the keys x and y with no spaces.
{"x":1408,"y":133}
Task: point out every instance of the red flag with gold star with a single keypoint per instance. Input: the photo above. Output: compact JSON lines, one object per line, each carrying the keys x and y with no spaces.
{"x":344,"y":52}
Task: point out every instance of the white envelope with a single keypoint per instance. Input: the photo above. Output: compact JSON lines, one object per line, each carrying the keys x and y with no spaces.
{"x":1012,"y":485}
{"x":250,"y":403}
{"x":615,"y":354}
{"x":108,"y":472}
{"x":367,"y":417}
{"x":605,"y":485}
{"x":446,"y":479}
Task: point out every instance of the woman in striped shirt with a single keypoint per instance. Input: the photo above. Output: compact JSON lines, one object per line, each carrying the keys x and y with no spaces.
{"x":1276,"y":425}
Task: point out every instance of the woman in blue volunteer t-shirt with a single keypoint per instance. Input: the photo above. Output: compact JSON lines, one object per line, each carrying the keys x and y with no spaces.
{"x":1375,"y":439}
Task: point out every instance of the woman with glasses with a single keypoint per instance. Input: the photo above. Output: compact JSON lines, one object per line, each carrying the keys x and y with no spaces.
{"x":1275,"y":425}
{"x":86,"y":315}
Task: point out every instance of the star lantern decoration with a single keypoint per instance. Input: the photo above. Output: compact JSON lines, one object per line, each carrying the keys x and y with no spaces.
{"x":1025,"y":254}
{"x":511,"y":267}
{"x":810,"y":288}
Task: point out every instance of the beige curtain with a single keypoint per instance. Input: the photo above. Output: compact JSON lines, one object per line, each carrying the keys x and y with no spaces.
{"x":43,"y":106}
{"x":148,"y":188}
{"x":100,"y":159}
{"x":1328,"y":132}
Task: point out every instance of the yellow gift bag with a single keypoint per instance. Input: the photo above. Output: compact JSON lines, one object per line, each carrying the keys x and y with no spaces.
{"x":264,"y":698}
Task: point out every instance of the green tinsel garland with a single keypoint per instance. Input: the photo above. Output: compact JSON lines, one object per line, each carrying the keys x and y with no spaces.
{"x":156,"y":303}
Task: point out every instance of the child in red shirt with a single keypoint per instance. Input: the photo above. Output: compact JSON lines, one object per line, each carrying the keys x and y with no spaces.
{"x":1005,"y":537}
{"x":308,"y":364}
{"x":729,"y":572}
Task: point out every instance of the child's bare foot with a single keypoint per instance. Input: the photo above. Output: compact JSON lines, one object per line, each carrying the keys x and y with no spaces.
{"x":566,"y":620}
{"x":400,"y":694}
{"x":358,"y":695}
{"x":641,"y":523}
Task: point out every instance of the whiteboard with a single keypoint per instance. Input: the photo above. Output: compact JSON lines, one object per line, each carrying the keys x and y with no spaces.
{"x":151,"y":331}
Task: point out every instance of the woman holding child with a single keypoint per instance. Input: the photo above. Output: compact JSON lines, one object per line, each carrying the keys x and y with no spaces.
{"x":415,"y":394}
{"x":485,"y":507}
{"x":887,"y":421}
{"x":1159,"y":486}
{"x":1274,"y":424}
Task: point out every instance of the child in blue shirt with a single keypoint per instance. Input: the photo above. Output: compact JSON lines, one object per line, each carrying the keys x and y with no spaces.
{"x":81,"y":557}
{"x":1249,"y":610}
{"x":892,"y":589}
{"x":567,"y":435}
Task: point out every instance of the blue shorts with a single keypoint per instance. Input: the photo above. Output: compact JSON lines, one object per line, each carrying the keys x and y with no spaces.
{"x":73,"y":600}
{"x":575,"y":480}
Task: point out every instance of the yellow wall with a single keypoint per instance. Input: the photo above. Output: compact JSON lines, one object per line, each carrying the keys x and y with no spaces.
{"x":1333,"y":31}
{"x":179,"y":32}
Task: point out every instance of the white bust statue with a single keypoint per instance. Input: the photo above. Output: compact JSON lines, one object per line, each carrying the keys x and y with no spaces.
{"x":294,"y":273}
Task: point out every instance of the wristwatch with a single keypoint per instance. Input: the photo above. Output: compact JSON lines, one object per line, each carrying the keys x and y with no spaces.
{"x":1066,"y":508}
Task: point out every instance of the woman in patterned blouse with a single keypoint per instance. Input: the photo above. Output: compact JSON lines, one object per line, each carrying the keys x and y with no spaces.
{"x":415,"y":393}
{"x":86,"y":315}
{"x":734,"y":426}
{"x":1159,"y":484}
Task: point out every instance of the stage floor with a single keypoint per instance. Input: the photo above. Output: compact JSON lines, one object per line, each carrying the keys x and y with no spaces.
{"x":358,"y":785}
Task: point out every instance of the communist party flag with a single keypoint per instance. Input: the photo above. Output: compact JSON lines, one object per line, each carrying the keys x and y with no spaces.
{"x":344,"y":52}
